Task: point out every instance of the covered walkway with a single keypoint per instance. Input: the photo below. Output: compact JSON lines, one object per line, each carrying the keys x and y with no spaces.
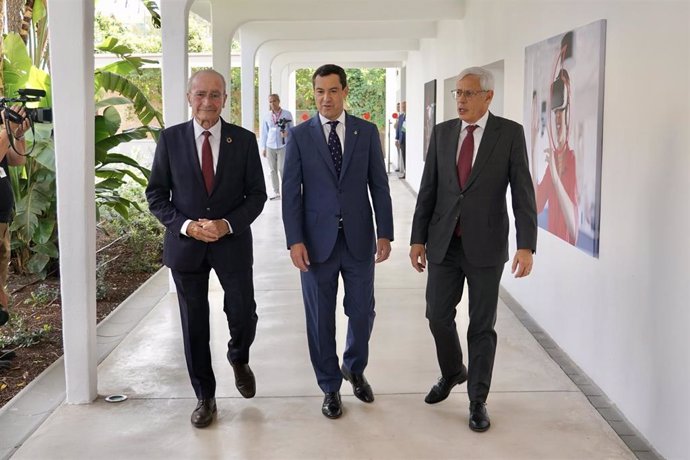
{"x":540,"y":408}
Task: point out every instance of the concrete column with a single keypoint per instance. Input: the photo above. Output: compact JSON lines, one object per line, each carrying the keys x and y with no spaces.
{"x":222,"y":48}
{"x":265,"y":84}
{"x":174,"y":15}
{"x":71,"y":60}
{"x":248,"y":56}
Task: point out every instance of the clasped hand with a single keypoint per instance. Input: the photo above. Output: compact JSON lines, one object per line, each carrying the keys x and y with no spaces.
{"x":207,"y":230}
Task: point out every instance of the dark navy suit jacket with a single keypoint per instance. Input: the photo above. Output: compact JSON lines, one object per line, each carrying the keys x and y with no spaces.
{"x":176,"y":192}
{"x":315,"y":199}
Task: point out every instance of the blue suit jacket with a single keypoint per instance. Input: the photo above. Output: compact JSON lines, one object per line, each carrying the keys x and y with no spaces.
{"x":314,"y":198}
{"x":176,"y":192}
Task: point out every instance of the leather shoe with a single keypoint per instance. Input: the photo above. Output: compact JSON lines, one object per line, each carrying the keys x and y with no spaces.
{"x":479,"y":418}
{"x":244,"y":380}
{"x":441,"y":390}
{"x":360,"y":386}
{"x":332,"y":406}
{"x":204,"y":412}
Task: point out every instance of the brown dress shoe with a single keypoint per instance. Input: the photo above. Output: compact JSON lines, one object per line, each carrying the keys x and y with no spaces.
{"x":204,"y":412}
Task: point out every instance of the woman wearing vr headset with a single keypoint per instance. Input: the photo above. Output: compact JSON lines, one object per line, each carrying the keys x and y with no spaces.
{"x":558,"y":186}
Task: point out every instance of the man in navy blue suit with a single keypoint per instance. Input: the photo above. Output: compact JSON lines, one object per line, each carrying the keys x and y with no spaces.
{"x":206,"y":188}
{"x":333,"y":163}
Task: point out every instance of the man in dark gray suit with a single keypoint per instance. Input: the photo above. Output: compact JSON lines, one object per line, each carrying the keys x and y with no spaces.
{"x":461,"y":225}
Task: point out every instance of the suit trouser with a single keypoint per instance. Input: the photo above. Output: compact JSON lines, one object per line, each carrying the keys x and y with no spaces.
{"x":320,"y":290}
{"x":276,"y":163}
{"x":240,"y":310}
{"x":443,"y":293}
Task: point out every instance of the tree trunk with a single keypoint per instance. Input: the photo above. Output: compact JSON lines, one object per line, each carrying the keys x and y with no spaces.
{"x":26,"y":20}
{"x":15,"y":10}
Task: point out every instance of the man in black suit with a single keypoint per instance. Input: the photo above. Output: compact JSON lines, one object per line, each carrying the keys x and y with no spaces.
{"x":206,"y":188}
{"x":461,"y":225}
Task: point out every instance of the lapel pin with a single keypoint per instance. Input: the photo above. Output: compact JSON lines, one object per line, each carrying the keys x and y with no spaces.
{"x":355,"y":133}
{"x":228,"y":139}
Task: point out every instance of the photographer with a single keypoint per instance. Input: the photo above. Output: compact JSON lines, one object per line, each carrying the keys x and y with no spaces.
{"x":8,"y":157}
{"x":274,"y":136}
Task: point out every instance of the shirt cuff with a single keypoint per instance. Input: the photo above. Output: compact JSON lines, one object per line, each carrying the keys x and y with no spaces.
{"x":183,"y":229}
{"x":229,"y":226}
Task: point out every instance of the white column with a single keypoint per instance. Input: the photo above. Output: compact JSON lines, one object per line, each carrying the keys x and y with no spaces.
{"x":264,"y":84}
{"x":71,"y":59}
{"x":174,"y":15}
{"x":248,"y":56}
{"x":222,"y":48}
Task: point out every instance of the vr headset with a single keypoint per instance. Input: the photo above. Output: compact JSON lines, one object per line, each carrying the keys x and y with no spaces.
{"x":560,"y":91}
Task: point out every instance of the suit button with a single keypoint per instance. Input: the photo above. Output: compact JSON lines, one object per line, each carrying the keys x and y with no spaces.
{"x":462,"y":196}
{"x":208,"y":209}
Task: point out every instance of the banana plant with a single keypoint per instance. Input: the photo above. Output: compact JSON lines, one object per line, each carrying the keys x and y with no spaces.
{"x":34,"y":229}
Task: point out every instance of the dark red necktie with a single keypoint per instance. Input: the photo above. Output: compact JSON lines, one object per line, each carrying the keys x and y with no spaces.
{"x":465,"y":163}
{"x":207,"y":162}
{"x":465,"y":157}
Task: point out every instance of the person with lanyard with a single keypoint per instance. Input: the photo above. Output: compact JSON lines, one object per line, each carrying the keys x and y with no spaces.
{"x":274,"y":137}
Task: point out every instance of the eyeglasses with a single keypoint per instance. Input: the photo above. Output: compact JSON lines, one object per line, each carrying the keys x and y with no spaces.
{"x":458,"y":93}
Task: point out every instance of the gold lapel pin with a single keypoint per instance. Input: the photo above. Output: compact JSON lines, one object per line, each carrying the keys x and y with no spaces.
{"x":228,"y":139}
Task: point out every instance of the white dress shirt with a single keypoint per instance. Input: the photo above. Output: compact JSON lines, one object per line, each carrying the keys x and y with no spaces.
{"x":478,"y":133}
{"x":339,"y":129}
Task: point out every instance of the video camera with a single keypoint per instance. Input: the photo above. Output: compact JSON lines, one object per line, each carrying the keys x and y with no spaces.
{"x":282,"y":124}
{"x":39,"y":115}
{"x":34,"y":115}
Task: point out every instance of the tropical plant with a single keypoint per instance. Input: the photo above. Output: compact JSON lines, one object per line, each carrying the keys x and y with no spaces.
{"x":34,"y":229}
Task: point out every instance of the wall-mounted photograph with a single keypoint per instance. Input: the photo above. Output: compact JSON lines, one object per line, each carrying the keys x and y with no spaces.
{"x":563,"y":116}
{"x":429,"y":112}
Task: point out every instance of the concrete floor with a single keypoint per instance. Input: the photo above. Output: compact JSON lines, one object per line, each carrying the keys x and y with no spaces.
{"x":537,"y":412}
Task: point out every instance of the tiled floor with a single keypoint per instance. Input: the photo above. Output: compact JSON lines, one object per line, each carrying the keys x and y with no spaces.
{"x":536,"y":409}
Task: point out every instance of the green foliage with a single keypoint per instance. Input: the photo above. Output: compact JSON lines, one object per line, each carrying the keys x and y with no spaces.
{"x":143,"y":232}
{"x":145,"y":37}
{"x":43,"y":296}
{"x":20,"y":335}
{"x":367,"y":93}
{"x":34,"y":237}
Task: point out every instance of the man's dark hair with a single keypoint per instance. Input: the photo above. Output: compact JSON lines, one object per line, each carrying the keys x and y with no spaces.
{"x":330,"y":69}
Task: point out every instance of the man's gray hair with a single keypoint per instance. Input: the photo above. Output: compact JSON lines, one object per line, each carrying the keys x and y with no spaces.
{"x":486,"y":78}
{"x":205,"y":71}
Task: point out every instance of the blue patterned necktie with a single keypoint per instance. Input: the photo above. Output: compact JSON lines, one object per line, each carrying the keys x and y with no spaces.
{"x":335,"y":148}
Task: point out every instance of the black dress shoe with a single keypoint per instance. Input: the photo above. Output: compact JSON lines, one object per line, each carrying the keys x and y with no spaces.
{"x":332,"y":406}
{"x":441,"y":390}
{"x":479,"y":418}
{"x":244,"y":380}
{"x":204,"y":412}
{"x":4,"y":316}
{"x":360,"y":386}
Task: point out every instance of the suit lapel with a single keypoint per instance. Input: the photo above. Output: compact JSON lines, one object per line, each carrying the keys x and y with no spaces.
{"x":193,"y":155}
{"x":224,"y":153}
{"x":352,"y":129}
{"x":317,"y":135}
{"x":486,"y":148}
{"x":450,"y":160}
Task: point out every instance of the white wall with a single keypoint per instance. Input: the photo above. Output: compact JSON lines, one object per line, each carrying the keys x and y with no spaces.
{"x":623,"y":318}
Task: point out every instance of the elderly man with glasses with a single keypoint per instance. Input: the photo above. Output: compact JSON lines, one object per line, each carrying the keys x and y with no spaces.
{"x":461,"y":226}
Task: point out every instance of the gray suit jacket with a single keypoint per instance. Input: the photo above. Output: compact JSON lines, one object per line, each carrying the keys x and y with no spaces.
{"x":481,"y":205}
